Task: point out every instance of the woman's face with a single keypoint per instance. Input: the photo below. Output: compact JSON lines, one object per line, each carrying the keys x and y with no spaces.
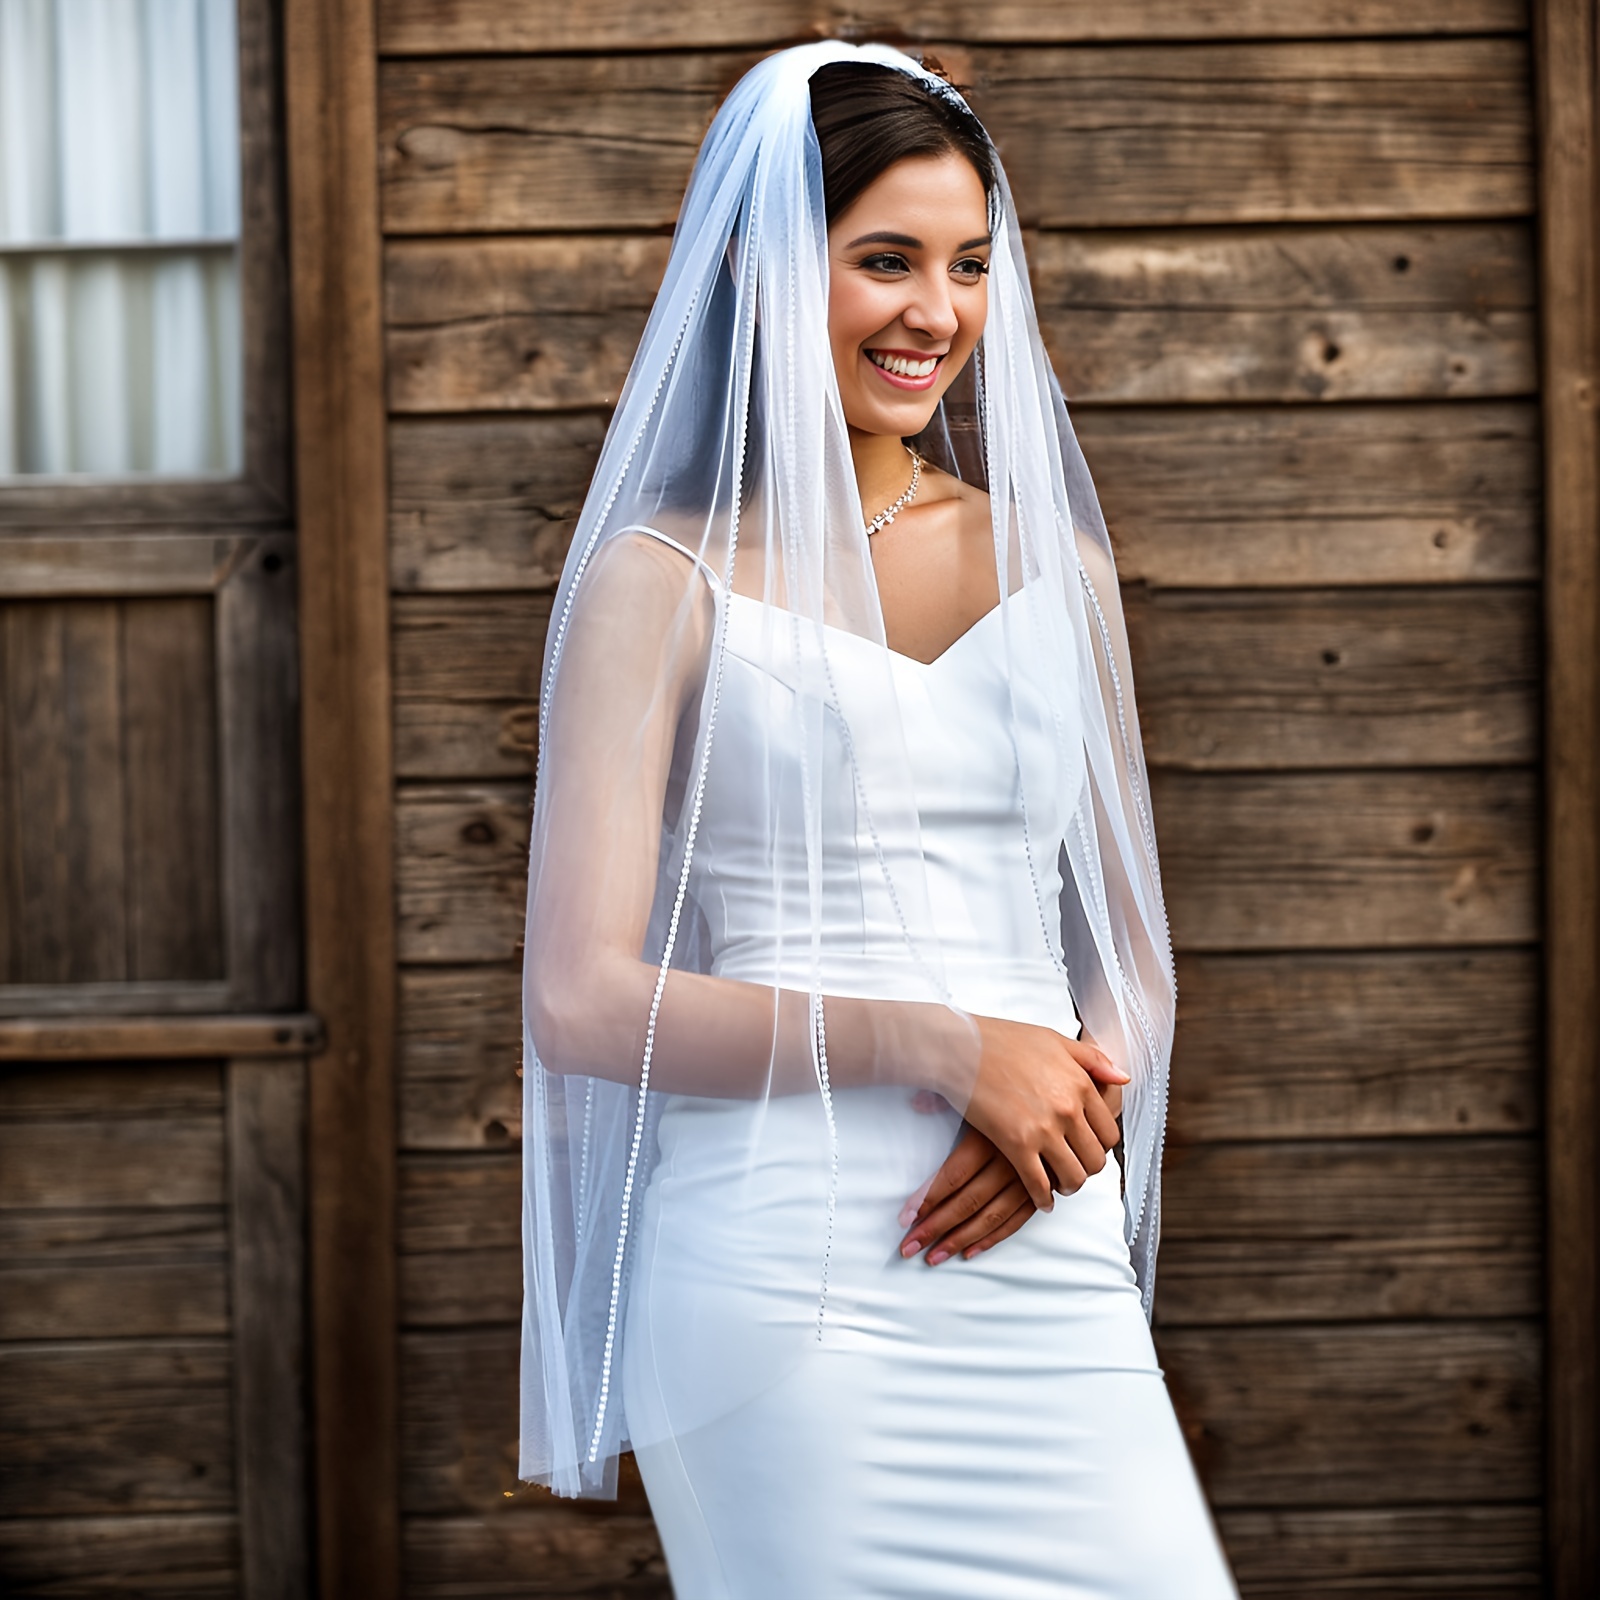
{"x":908,"y":286}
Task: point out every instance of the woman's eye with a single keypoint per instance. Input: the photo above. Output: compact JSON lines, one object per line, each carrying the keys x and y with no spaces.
{"x":971,"y":269}
{"x":887,"y":263}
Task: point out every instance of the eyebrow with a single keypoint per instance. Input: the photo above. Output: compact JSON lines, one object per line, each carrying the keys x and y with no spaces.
{"x":905,"y":241}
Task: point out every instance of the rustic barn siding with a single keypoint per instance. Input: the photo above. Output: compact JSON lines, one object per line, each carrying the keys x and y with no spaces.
{"x":1288,"y":278}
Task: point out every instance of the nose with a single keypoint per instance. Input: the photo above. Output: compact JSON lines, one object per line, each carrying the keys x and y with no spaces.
{"x":932,"y":311}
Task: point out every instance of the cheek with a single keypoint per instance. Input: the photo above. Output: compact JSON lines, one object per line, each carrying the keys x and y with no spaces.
{"x":854,"y":315}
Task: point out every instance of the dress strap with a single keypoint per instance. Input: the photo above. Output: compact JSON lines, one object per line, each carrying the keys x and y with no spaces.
{"x":712,"y":576}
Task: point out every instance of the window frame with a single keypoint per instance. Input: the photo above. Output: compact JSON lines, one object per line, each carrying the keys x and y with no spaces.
{"x":261,"y":493}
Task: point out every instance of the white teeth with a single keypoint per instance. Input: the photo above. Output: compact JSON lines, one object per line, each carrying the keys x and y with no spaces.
{"x":900,"y":365}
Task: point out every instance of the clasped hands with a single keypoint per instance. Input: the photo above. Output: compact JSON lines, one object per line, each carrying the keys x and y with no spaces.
{"x":1041,"y":1118}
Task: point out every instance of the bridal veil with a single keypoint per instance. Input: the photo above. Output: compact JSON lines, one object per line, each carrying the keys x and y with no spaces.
{"x":729,"y":438}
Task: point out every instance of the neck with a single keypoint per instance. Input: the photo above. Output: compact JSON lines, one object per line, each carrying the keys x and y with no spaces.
{"x":883,"y":469}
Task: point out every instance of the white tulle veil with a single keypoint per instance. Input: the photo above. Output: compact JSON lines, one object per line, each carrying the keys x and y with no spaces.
{"x":729,"y":438}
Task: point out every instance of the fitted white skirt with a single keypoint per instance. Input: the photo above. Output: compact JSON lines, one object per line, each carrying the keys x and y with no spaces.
{"x":816,"y":1418}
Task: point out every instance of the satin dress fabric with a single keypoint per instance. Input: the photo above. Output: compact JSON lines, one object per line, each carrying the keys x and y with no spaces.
{"x":996,"y":1428}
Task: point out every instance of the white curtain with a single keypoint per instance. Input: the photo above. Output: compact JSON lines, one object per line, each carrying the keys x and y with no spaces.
{"x":119,"y":222}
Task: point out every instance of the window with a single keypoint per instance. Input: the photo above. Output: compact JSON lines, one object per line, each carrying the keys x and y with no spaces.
{"x":119,"y":232}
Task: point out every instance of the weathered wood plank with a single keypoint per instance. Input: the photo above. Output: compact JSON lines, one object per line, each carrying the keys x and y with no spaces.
{"x":1288,"y":679}
{"x":1566,"y":74}
{"x":1383,"y":1415}
{"x":132,"y":1038}
{"x":461,"y":871}
{"x":195,"y":1556}
{"x":515,"y":324}
{"x":1454,"y":1551}
{"x":340,"y":458}
{"x":460,"y":1051}
{"x":460,"y":1239}
{"x":1217,"y":133}
{"x":565,"y":1552}
{"x":1403,"y":1042}
{"x":1093,"y":135}
{"x":1334,"y":860}
{"x":1367,"y":312}
{"x":195,"y":561}
{"x":145,"y":1161}
{"x":1326,"y":1248}
{"x":118,"y":1426}
{"x":1342,"y":679}
{"x":1294,"y":496}
{"x":1288,"y":496}
{"x":1374,"y":312}
{"x":67,"y":920}
{"x":157,"y":1089}
{"x":258,"y":706}
{"x":1389,"y":1415}
{"x":171,"y":805}
{"x":1251,"y":861}
{"x":1269,"y":1046}
{"x":487,"y":502}
{"x":443,"y":27}
{"x":102,"y":1274}
{"x":267,"y":1212}
{"x":1336,"y":1232}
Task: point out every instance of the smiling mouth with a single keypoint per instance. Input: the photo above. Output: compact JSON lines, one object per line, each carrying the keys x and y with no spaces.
{"x":905,"y":366}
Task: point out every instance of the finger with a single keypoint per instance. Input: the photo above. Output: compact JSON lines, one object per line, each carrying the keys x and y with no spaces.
{"x":971,"y":1154}
{"x":1104,"y":1070}
{"x":999,"y":1211}
{"x":970,"y":1198}
{"x":1067,"y":1171}
{"x":1036,"y":1178}
{"x":1111,"y":1098}
{"x":1085,"y":1143}
{"x":1004,"y":1231}
{"x":1102,"y":1124}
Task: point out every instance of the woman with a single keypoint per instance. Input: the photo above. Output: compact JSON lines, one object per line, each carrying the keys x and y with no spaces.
{"x":841,"y":828}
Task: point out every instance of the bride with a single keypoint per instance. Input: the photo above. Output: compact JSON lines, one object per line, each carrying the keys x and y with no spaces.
{"x":848,"y":994}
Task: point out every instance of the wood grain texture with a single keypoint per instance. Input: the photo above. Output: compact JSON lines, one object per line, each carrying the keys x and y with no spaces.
{"x":1318,"y":312}
{"x":136,"y":1038}
{"x":113,"y":1272}
{"x":267,"y":1212}
{"x":1383,"y":1415}
{"x":1307,"y":1232}
{"x":1300,"y":496}
{"x":172,"y":807}
{"x":115,"y":1426}
{"x":567,"y":1552}
{"x":117,"y":1161}
{"x":1567,"y":62}
{"x":1379,"y":1415}
{"x":487,"y":502}
{"x":460,"y":1052}
{"x":1289,"y":679}
{"x":1360,"y":1045}
{"x":1093,"y":136}
{"x":1269,"y":1046}
{"x":461,"y":871}
{"x":442,"y":27}
{"x":1374,"y":312}
{"x":194,"y":1556}
{"x":1326,"y":1250}
{"x":1327,"y":679}
{"x":1196,"y":497}
{"x":1456,"y":1551}
{"x":53,"y":565}
{"x":460,"y":1240}
{"x":347,"y":764}
{"x":1331,"y":860}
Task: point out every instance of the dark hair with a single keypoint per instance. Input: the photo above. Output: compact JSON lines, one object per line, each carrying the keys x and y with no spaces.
{"x":869,"y":116}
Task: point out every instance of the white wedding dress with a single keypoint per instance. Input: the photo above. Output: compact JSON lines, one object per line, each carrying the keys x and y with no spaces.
{"x":993,"y":1429}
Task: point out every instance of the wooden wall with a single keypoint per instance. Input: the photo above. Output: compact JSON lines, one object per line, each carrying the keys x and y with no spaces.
{"x":1285,"y":256}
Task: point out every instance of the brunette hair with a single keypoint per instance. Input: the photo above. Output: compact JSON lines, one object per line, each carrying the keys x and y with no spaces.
{"x":869,"y":116}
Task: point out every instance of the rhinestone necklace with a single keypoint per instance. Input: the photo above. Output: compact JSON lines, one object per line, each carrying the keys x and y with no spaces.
{"x":889,"y":513}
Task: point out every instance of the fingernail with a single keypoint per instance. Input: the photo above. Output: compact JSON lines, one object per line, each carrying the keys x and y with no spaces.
{"x":973,"y":1250}
{"x":911,"y":1246}
{"x":937,"y":1257}
{"x":908,"y":1213}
